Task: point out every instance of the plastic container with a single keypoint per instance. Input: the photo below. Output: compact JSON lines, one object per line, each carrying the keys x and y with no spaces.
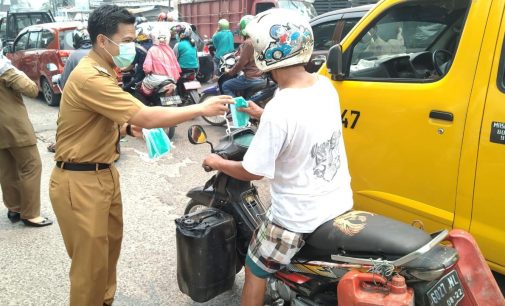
{"x":157,"y":142}
{"x":206,"y":253}
{"x":367,"y":289}
{"x":240,"y":119}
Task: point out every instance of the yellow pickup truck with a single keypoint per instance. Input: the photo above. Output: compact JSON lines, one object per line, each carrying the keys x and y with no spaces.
{"x":422,"y":92}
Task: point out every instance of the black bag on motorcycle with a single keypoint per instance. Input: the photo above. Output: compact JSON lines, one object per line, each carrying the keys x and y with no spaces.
{"x":205,"y":253}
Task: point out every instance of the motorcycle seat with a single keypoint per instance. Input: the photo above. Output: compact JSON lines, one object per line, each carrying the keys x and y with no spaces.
{"x":363,"y":235}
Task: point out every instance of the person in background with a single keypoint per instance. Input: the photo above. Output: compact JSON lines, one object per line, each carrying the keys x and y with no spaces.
{"x":185,"y":49}
{"x":162,"y":16}
{"x":20,"y":165}
{"x":299,"y":147}
{"x":161,"y":59}
{"x":223,"y":42}
{"x":252,"y":76}
{"x":82,"y":45}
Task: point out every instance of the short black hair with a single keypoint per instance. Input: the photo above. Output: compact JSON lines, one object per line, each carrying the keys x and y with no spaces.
{"x":105,"y":20}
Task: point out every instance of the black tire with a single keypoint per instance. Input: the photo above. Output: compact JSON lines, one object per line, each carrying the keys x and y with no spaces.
{"x":212,"y":120}
{"x":50,"y":97}
{"x":194,"y":96}
{"x":194,"y":206}
{"x":170,"y":132}
{"x":203,"y":77}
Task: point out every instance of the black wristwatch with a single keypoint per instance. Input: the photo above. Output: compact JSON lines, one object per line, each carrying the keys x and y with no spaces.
{"x":129,"y":130}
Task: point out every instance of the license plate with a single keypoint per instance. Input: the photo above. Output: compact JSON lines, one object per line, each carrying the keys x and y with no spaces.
{"x":448,"y":291}
{"x":192,"y":85}
{"x":170,"y":100}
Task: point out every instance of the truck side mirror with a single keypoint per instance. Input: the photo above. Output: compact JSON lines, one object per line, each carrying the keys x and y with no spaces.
{"x":334,"y":63}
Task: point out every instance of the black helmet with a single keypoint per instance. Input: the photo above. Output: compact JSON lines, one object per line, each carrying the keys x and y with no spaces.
{"x":81,"y":38}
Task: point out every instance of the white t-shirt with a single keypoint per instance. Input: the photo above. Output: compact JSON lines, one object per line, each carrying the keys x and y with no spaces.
{"x":299,"y":145}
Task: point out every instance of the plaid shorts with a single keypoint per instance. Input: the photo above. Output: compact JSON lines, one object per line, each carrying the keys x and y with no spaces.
{"x":272,"y":248}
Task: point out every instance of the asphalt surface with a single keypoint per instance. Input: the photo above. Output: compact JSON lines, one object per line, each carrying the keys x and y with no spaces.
{"x":34,"y":265}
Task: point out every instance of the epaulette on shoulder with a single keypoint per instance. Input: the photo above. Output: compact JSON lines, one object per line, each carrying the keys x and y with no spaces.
{"x":102,"y":70}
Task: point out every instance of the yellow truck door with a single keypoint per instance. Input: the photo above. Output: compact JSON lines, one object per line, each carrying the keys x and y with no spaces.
{"x":409,"y":69}
{"x":488,"y":218}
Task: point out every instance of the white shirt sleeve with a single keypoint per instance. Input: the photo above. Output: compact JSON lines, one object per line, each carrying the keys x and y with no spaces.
{"x":264,"y":149}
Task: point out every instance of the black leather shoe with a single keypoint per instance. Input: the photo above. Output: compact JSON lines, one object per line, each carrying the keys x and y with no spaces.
{"x":13,"y":216}
{"x":42,"y":223}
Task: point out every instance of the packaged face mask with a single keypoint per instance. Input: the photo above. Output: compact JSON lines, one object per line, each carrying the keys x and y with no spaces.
{"x":240,"y":119}
{"x":157,"y":142}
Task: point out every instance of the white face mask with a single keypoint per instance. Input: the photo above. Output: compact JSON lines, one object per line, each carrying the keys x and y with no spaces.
{"x":126,"y":54}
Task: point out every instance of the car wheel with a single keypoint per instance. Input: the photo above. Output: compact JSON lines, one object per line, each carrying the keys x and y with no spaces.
{"x":50,"y":97}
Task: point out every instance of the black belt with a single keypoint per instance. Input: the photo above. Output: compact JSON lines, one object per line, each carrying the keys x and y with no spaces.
{"x":81,"y":167}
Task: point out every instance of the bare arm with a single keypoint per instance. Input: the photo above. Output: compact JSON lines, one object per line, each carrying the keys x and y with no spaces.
{"x":152,"y":117}
{"x":252,"y":110}
{"x":230,"y":167}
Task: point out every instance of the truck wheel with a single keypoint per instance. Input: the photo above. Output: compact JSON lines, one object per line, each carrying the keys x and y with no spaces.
{"x":50,"y":97}
{"x":212,"y":120}
{"x":194,"y":206}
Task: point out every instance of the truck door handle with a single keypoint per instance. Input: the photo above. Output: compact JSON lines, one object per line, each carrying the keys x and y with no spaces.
{"x":441,"y":115}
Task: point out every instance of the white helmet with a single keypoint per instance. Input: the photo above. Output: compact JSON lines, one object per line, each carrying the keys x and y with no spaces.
{"x":281,"y":38}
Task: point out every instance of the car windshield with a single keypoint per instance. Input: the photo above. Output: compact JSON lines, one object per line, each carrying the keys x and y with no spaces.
{"x":305,"y":8}
{"x":66,"y":40}
{"x":408,"y":29}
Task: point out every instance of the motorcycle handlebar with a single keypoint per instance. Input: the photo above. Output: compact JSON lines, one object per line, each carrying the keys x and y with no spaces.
{"x":209,"y":169}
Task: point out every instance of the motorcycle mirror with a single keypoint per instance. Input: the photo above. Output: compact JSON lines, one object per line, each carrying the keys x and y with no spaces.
{"x":196,"y":134}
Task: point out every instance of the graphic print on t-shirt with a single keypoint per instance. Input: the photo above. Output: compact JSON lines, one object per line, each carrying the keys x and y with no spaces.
{"x":326,"y":157}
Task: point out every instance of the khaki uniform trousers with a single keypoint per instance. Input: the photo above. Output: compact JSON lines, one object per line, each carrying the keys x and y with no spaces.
{"x":20,"y":171}
{"x":88,"y":207}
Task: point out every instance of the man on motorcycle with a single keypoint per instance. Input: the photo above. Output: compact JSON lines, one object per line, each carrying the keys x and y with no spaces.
{"x":222,"y":41}
{"x":252,"y":75}
{"x":299,"y":146}
{"x":185,"y":49}
{"x":160,"y":61}
{"x":82,"y":45}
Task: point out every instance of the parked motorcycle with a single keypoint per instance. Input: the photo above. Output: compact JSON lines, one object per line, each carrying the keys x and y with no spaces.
{"x":187,"y":88}
{"x":259,"y":94}
{"x":358,"y":258}
{"x":152,"y":92}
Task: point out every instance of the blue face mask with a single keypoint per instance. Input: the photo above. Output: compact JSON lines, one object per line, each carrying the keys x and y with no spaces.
{"x":126,"y":54}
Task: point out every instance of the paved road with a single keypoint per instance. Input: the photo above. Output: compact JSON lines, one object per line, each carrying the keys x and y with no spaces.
{"x":34,"y":266}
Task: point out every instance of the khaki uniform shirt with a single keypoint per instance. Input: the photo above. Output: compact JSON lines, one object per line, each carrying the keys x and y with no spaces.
{"x":16,"y":129}
{"x":92,"y":109}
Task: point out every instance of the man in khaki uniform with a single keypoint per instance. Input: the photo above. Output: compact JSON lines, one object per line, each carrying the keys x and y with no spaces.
{"x":20,"y":166}
{"x":84,"y":186}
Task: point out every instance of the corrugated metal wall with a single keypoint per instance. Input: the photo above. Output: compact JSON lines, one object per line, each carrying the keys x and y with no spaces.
{"x":323,"y":6}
